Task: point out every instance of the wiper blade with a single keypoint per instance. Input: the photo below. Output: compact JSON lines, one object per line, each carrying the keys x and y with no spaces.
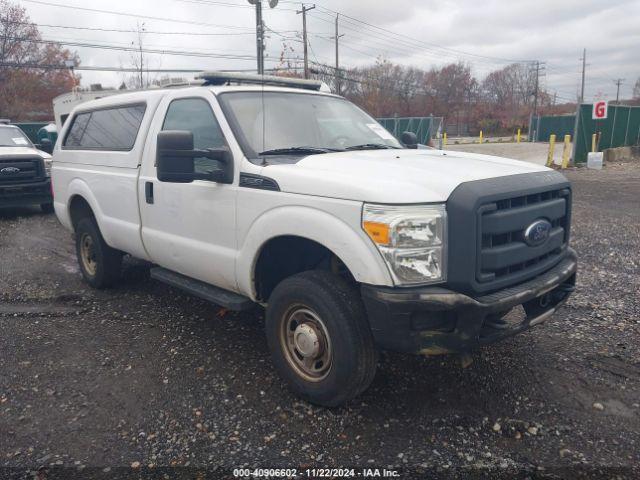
{"x":298,"y":150}
{"x":371,"y":146}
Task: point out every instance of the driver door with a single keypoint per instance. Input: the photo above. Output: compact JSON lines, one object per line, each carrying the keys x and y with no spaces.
{"x":189,"y":227}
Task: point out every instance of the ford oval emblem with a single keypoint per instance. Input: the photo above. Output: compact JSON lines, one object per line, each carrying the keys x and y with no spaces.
{"x":10,"y":170}
{"x":537,"y":233}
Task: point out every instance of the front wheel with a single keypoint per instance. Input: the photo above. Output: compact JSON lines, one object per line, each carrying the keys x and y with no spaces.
{"x":320,"y":339}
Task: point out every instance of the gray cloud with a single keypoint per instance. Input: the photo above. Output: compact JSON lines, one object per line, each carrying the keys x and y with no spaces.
{"x":550,"y":31}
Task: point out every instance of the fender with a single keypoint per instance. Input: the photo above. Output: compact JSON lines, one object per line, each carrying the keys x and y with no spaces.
{"x":116,"y":232}
{"x":77,"y":186}
{"x":353,"y":248}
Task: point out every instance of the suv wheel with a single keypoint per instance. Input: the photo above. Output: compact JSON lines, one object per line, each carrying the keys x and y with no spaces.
{"x":319,"y":338}
{"x":100,"y":264}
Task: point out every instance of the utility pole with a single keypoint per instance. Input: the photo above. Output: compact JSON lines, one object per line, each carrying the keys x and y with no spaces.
{"x":338,"y":79}
{"x":304,"y":36}
{"x":260,"y":32}
{"x":584,"y":67}
{"x":618,"y":82}
{"x":259,"y":36}
{"x":579,"y":107}
{"x":535,"y":92}
{"x":140,"y":30}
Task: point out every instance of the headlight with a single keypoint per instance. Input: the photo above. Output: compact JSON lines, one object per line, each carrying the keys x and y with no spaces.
{"x":47,"y":166}
{"x":411,"y":238}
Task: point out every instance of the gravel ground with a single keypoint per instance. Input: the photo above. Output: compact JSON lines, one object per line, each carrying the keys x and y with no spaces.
{"x":100,"y":383}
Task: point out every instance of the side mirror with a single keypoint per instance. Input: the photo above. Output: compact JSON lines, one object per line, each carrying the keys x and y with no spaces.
{"x":175,"y":159}
{"x":46,"y":145}
{"x":409,"y":139}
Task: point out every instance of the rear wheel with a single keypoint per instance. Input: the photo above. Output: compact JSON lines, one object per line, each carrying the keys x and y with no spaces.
{"x":319,"y":338}
{"x":100,"y":264}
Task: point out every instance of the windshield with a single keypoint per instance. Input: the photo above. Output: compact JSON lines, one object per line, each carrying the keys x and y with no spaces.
{"x":281,"y":123}
{"x":13,"y":137}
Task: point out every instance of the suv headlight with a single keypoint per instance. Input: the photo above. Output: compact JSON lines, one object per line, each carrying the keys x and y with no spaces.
{"x":411,"y":239}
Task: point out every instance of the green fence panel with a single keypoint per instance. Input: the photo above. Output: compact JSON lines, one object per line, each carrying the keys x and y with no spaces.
{"x":425,"y":128}
{"x":31,"y":129}
{"x":632,"y":133}
{"x":621,"y":128}
{"x":547,"y":125}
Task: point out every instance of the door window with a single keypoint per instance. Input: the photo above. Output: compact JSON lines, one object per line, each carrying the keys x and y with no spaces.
{"x":195,"y":115}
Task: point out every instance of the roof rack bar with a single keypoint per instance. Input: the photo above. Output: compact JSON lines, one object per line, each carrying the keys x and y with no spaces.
{"x":222,"y":78}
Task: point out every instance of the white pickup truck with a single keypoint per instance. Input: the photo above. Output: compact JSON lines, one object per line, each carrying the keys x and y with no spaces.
{"x":24,"y":171}
{"x":263,"y":190}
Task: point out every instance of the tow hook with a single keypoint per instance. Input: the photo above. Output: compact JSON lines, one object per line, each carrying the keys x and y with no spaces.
{"x":545,"y":300}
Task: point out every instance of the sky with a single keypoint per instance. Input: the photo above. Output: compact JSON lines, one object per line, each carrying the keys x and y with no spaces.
{"x":220,"y":35}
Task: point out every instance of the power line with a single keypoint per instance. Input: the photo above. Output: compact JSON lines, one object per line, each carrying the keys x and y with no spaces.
{"x":421,"y":42}
{"x":136,"y":49}
{"x":134,"y":15}
{"x":396,"y":45}
{"x":226,"y":4}
{"x":116,"y":30}
{"x":91,"y":68}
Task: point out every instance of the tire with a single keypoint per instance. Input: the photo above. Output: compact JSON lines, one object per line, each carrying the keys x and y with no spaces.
{"x":320,"y":304}
{"x":47,"y":207}
{"x":99,"y":263}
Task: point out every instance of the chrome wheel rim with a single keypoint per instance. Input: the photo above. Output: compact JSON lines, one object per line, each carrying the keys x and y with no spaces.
{"x":88,"y":254}
{"x":306,"y":343}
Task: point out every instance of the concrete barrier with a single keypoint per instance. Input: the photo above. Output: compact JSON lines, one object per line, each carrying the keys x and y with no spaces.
{"x":622,"y":154}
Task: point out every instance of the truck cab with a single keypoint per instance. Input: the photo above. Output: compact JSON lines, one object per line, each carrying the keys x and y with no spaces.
{"x":263,"y":190}
{"x":24,"y":171}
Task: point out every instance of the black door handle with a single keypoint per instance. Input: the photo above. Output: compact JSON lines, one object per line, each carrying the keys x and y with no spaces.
{"x":148,"y":192}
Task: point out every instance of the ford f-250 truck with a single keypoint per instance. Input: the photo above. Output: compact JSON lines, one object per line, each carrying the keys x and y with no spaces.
{"x":262,"y":190}
{"x":24,"y":171}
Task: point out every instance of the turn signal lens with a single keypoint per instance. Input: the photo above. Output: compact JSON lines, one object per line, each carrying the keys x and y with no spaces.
{"x":378,"y":232}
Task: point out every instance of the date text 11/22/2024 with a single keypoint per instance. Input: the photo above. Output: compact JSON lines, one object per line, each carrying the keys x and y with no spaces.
{"x":315,"y":473}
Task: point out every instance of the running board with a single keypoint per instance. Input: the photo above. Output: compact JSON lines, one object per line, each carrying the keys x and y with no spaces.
{"x":224,"y":298}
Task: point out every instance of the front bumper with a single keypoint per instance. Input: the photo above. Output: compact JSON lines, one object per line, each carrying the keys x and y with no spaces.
{"x":32,"y":193}
{"x":435,"y":320}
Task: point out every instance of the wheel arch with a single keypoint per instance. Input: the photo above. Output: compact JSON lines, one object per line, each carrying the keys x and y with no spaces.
{"x":82,"y":201}
{"x":316,"y":227}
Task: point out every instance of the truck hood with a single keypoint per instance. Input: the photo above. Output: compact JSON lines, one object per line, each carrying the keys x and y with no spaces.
{"x":391,"y":176}
{"x":16,"y":151}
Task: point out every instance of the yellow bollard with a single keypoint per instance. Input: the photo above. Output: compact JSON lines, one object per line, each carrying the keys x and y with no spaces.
{"x":552,"y":147}
{"x":480,"y":138}
{"x":518,"y":137}
{"x":444,"y":140}
{"x":594,"y":142}
{"x":567,"y":151}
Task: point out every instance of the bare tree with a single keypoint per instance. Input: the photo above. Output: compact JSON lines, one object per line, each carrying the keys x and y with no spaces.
{"x":140,"y":62}
{"x":31,"y":73}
